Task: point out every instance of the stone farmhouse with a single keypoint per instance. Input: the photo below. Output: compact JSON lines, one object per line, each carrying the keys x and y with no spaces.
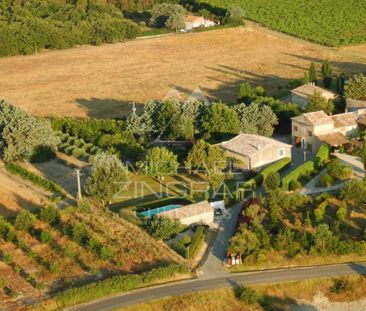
{"x":253,"y":152}
{"x":192,"y":22}
{"x":310,"y":130}
{"x":302,"y":94}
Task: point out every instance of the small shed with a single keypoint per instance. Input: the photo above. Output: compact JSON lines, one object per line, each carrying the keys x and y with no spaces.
{"x":196,"y":213}
{"x":302,"y":94}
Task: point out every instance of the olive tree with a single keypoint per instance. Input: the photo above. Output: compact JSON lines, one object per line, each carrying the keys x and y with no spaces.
{"x":356,"y":88}
{"x":21,"y":133}
{"x":168,"y":15}
{"x":108,"y":177}
{"x":256,"y":119}
{"x":159,"y":162}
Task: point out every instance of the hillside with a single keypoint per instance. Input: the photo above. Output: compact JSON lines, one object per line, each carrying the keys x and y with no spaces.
{"x":83,"y":246}
{"x":332,"y":23}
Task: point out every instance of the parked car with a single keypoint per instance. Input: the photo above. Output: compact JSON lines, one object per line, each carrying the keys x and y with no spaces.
{"x":218,"y":212}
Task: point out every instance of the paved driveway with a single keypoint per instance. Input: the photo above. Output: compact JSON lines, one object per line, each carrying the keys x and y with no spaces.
{"x":212,"y":266}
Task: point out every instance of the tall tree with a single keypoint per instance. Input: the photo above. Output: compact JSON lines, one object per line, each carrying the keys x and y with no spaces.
{"x":168,"y":15}
{"x":313,"y":76}
{"x":134,"y":123}
{"x":356,"y":88}
{"x":245,"y":93}
{"x":197,"y":156}
{"x":159,"y":162}
{"x":189,"y":129}
{"x":318,"y":102}
{"x":256,"y":119}
{"x":21,"y":133}
{"x":306,"y":79}
{"x":327,"y":71}
{"x":220,"y":120}
{"x":168,"y":119}
{"x":108,"y":177}
{"x":363,"y":154}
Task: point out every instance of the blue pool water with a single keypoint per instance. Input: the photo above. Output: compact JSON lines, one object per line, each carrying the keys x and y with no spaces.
{"x":155,"y":211}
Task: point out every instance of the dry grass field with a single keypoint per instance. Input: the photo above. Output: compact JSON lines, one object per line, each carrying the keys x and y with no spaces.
{"x":102,"y":81}
{"x":17,"y":194}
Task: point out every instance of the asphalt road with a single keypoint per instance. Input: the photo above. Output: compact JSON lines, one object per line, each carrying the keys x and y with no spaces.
{"x":267,"y":276}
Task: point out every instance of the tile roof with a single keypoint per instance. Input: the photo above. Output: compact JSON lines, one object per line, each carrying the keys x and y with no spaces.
{"x":334,"y":139}
{"x":308,"y":90}
{"x":344,"y":119}
{"x":314,"y":118}
{"x":189,"y":210}
{"x":246,"y":144}
{"x":193,"y":18}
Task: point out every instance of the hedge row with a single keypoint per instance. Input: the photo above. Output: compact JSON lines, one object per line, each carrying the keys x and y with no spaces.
{"x":308,"y":167}
{"x":116,"y":284}
{"x":196,"y":243}
{"x":258,"y":179}
{"x":36,"y":179}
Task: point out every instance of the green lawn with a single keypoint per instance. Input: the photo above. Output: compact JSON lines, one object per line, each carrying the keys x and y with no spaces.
{"x":332,"y":23}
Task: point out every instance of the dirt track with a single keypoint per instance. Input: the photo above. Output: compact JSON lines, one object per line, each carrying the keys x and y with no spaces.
{"x":102,"y":81}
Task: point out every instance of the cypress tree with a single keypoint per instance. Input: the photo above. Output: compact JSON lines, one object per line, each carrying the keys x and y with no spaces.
{"x":327,"y":71}
{"x":313,"y":76}
{"x":306,"y":78}
{"x":245,"y":93}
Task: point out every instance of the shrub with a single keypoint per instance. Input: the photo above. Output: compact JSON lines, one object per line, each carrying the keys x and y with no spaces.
{"x":42,"y":154}
{"x":106,"y":253}
{"x":80,"y":233}
{"x":161,"y":227}
{"x":322,"y":156}
{"x":79,"y":143}
{"x":341,"y":285}
{"x":306,"y":168}
{"x":295,"y":185}
{"x":50,"y":214}
{"x":94,"y":245}
{"x":196,"y":243}
{"x":24,"y":221}
{"x":62,"y":147}
{"x":258,"y":179}
{"x":78,"y":153}
{"x":71,"y":140}
{"x":319,"y":212}
{"x":36,"y":179}
{"x":46,"y":237}
{"x":326,"y":180}
{"x":69,"y":150}
{"x":69,"y":252}
{"x":115,"y":284}
{"x":179,"y":247}
{"x":248,"y":295}
{"x":339,"y":171}
{"x":309,"y":167}
{"x":186,"y":240}
{"x":235,"y":16}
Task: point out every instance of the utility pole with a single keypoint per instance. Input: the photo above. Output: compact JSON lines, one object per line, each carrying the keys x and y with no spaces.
{"x":79,"y":184}
{"x":305,"y":156}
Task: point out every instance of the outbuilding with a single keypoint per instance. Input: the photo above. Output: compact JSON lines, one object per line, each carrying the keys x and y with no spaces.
{"x":302,"y":94}
{"x":196,"y":213}
{"x":251,"y":152}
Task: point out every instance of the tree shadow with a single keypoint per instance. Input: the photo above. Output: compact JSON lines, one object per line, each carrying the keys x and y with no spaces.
{"x":107,"y":107}
{"x":273,"y":303}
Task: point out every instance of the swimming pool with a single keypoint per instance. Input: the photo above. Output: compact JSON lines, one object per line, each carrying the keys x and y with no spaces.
{"x":158,"y":210}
